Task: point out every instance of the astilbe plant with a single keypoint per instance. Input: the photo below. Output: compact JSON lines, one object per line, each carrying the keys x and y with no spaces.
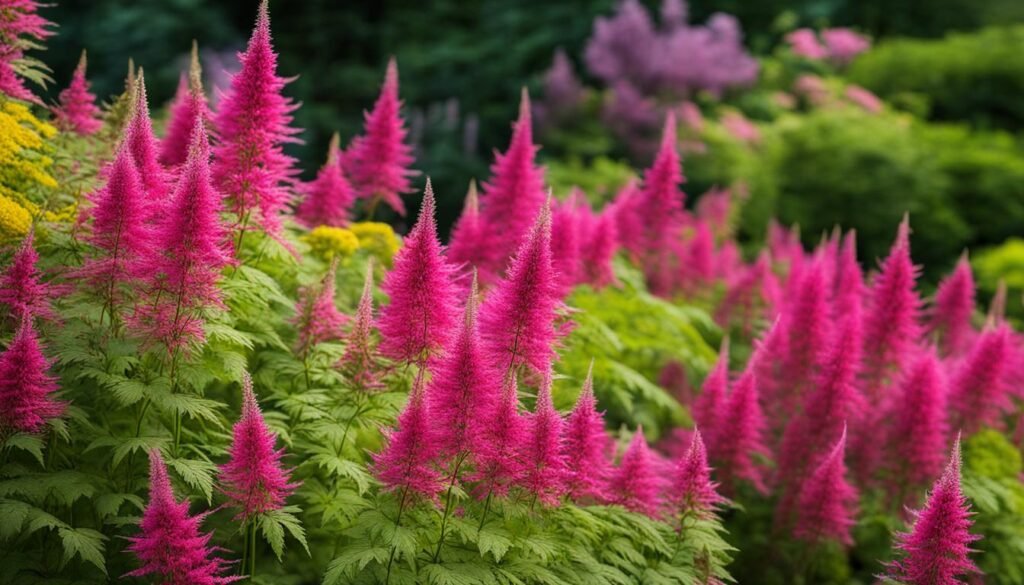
{"x":588,"y":448}
{"x":359,"y":362}
{"x":21,"y":28}
{"x":498,"y":455}
{"x":707,"y":408}
{"x":979,"y":393}
{"x":317,"y":317}
{"x":141,"y":142}
{"x":740,"y":440}
{"x":636,"y":483}
{"x":26,"y":386}
{"x":565,"y":245}
{"x":543,"y":453}
{"x":22,"y":290}
{"x":328,"y":198}
{"x":189,"y":105}
{"x":464,"y":250}
{"x":77,"y":110}
{"x":828,"y":503}
{"x":660,"y":202}
{"x":691,"y":491}
{"x":599,"y":249}
{"x":950,"y":317}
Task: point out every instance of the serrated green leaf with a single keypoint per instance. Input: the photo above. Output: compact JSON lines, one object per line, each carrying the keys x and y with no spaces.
{"x":196,"y":473}
{"x":28,"y":443}
{"x":84,"y":542}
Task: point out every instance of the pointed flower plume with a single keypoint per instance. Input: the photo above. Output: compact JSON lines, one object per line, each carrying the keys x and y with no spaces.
{"x":545,"y":459}
{"x":599,"y":249}
{"x":77,"y":111}
{"x":565,"y":246}
{"x":25,"y":384}
{"x":588,"y":448}
{"x":692,"y":491}
{"x":636,"y":483}
{"x":328,"y":199}
{"x":806,"y":321}
{"x":828,"y":503}
{"x":517,"y":321}
{"x":421,"y":318}
{"x":253,"y":124}
{"x":317,"y":316}
{"x":742,"y":435}
{"x":465,"y":243}
{"x":359,"y":362}
{"x":979,"y":391}
{"x":379,"y":160}
{"x":407,"y":461}
{"x":707,"y":409}
{"x":22,"y":291}
{"x":189,"y":105}
{"x":171,"y":545}
{"x":254,"y":479}
{"x":498,"y":454}
{"x":848,"y":281}
{"x":954,"y":305}
{"x":144,"y":148}
{"x":625,"y":209}
{"x":937,"y":550}
{"x":918,"y":431}
{"x":660,"y":197}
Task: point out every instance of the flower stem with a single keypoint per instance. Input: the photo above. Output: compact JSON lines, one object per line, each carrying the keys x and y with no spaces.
{"x":398,"y":518}
{"x":448,"y":504}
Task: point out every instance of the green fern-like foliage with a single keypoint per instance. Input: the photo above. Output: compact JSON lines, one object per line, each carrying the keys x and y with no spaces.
{"x":992,"y":472}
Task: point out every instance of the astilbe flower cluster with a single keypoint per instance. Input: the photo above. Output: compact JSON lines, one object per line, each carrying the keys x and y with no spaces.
{"x":636,"y":483}
{"x":950,"y":317}
{"x":565,"y":244}
{"x":918,"y":429}
{"x":407,"y":461}
{"x":464,"y":251}
{"x":77,"y":110}
{"x":979,"y":392}
{"x":189,"y":105}
{"x":21,"y":28}
{"x":144,"y":148}
{"x":317,"y":317}
{"x":498,"y":456}
{"x":588,"y":448}
{"x":328,"y":198}
{"x":740,"y":440}
{"x":545,"y":474}
{"x":707,"y":408}
{"x":26,"y":387}
{"x":599,"y":247}
{"x":22,"y":290}
{"x":691,"y":491}
{"x":359,"y":362}
{"x":838,"y":45}
{"x":827,"y":504}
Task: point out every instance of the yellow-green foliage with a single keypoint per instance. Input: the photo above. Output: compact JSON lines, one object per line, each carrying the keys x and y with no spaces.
{"x":992,"y":468}
{"x":1005,"y":262}
{"x":327,"y":242}
{"x":378,"y":239}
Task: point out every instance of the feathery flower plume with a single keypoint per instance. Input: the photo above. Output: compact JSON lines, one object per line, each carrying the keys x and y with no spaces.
{"x":919,"y":430}
{"x":636,"y":483}
{"x":171,"y":544}
{"x":517,"y":319}
{"x":587,"y":448}
{"x":979,"y":389}
{"x":513,"y":197}
{"x":144,"y":148}
{"x":421,"y":318}
{"x":407,"y":462}
{"x":937,"y":548}
{"x":21,"y":289}
{"x":188,"y":106}
{"x":828,"y":503}
{"x":359,"y":361}
{"x":565,"y":246}
{"x":661,"y":202}
{"x":692,"y":491}
{"x":253,"y":125}
{"x":25,"y":385}
{"x":747,"y":292}
{"x":744,"y":425}
{"x":465,"y":243}
{"x":848,"y":281}
{"x":253,"y":479}
{"x":545,"y":474}
{"x":498,"y":453}
{"x":806,"y":321}
{"x":77,"y":111}
{"x":328,"y":199}
{"x":20,"y":28}
{"x":316,"y":316}
{"x":954,"y":305}
{"x":379,"y":160}
{"x":707,"y":409}
{"x":599,"y":250}
{"x":625,"y":209}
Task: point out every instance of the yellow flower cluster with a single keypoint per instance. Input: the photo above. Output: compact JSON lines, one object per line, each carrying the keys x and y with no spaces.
{"x":15,"y":220}
{"x":378,"y":239}
{"x":23,"y":166}
{"x":329,"y":242}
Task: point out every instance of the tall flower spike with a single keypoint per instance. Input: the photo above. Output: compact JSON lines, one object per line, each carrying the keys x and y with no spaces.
{"x":599,"y":250}
{"x":517,"y":319}
{"x":707,"y":409}
{"x":190,"y":253}
{"x":954,"y":305}
{"x":253,"y":479}
{"x":21,"y":289}
{"x":937,"y":550}
{"x":171,"y":544}
{"x":636,"y":484}
{"x":661,"y":203}
{"x":144,"y":148}
{"x":513,"y":197}
{"x":317,"y":316}
{"x":379,"y":160}
{"x":407,"y":461}
{"x":806,"y":319}
{"x":979,"y":389}
{"x":744,"y":425}
{"x":421,"y":318}
{"x":565,"y":247}
{"x":189,"y":105}
{"x":328,"y":199}
{"x":828,"y":503}
{"x":588,"y":448}
{"x":692,"y":491}
{"x":918,"y":431}
{"x":464,"y":244}
{"x":77,"y":110}
{"x":545,"y":459}
{"x":359,"y":361}
{"x":848,"y":284}
{"x":25,"y":386}
{"x":253,"y":124}
{"x":498,"y":455}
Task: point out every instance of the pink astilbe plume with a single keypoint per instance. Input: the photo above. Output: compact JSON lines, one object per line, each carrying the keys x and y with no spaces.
{"x":421,"y":318}
{"x":498,"y":455}
{"x":517,"y":321}
{"x":979,"y":393}
{"x":661,"y":204}
{"x":253,"y":479}
{"x":937,"y":549}
{"x":707,"y":408}
{"x":77,"y":110}
{"x":565,"y":246}
{"x":691,"y":491}
{"x":407,"y":461}
{"x":25,"y":386}
{"x":379,"y":160}
{"x":316,"y":315}
{"x":950,"y":317}
{"x":189,"y":253}
{"x":513,"y":196}
{"x":189,"y":105}
{"x":359,"y":362}
{"x":22,"y":291}
{"x":806,"y":323}
{"x":253,"y":124}
{"x":625,"y":209}
{"x":545,"y":474}
{"x":599,"y":249}
{"x":743,"y":431}
{"x":329,"y":198}
{"x":21,"y":27}
{"x":918,"y":431}
{"x":144,"y":148}
{"x":750,"y":293}
{"x":848,"y":281}
{"x":465,"y":248}
{"x":697,"y":262}
{"x":636,"y":483}
{"x":827,"y":507}
{"x":588,"y":448}
{"x":171,"y":545}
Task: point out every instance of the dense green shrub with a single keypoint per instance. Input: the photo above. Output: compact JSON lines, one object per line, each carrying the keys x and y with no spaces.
{"x":1004,"y":262}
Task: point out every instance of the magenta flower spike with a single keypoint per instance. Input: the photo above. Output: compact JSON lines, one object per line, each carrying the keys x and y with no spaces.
{"x":77,"y":110}
{"x":188,"y":106}
{"x":937,"y":549}
{"x":316,"y":315}
{"x":359,"y":361}
{"x":806,"y":320}
{"x":950,"y":317}
{"x":628,"y":225}
{"x":171,"y":545}
{"x":692,"y":492}
{"x":379,"y":160}
{"x":661,"y":203}
{"x":22,"y":290}
{"x":517,"y":321}
{"x":707,"y":409}
{"x":253,"y":123}
{"x":744,"y":425}
{"x":253,"y":479}
{"x":918,"y":431}
{"x":979,"y":393}
{"x":588,"y":448}
{"x":20,"y":27}
{"x":407,"y":461}
{"x":498,"y":452}
{"x":513,"y":196}
{"x":599,"y":250}
{"x":144,"y":148}
{"x":828,"y":503}
{"x":422,"y":316}
{"x":465,"y":245}
{"x":565,"y":247}
{"x":545,"y":471}
{"x":848,"y":282}
{"x":636,"y":483}
{"x":697,"y":264}
{"x":329,"y":198}
{"x":25,"y":384}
